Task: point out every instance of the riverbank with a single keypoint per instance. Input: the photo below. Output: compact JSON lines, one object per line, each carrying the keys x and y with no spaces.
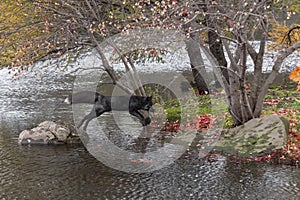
{"x":282,"y":99}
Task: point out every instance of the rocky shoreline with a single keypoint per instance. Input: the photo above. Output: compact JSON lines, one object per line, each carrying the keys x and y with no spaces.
{"x":257,"y":138}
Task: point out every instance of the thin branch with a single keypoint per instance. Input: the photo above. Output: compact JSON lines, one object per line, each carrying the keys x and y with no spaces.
{"x":91,"y":9}
{"x":288,"y":35}
{"x":108,"y":68}
{"x":52,"y":9}
{"x":233,"y":61}
{"x":231,"y":70}
{"x":276,"y":67}
{"x":130,"y":69}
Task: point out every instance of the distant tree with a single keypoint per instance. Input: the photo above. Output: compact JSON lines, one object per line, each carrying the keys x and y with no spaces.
{"x":284,"y":36}
{"x":27,"y":35}
{"x":19,"y":29}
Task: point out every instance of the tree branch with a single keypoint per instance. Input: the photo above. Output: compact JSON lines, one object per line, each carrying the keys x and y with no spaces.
{"x":275,"y":70}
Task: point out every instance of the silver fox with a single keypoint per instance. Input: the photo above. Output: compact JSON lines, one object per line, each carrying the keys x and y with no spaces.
{"x":104,"y":104}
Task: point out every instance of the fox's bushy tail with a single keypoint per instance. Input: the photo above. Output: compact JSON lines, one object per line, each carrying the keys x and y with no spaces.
{"x":83,"y":97}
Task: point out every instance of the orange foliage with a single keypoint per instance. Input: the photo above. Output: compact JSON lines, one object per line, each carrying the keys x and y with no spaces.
{"x":295,"y":76}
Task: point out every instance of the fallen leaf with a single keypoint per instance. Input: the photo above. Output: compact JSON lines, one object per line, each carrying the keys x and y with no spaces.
{"x":295,"y":74}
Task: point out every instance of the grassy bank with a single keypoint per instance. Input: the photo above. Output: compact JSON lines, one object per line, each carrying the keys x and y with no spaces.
{"x":207,"y":112}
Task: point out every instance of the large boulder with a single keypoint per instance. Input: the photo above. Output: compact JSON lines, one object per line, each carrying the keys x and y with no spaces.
{"x":49,"y":132}
{"x":256,"y":137}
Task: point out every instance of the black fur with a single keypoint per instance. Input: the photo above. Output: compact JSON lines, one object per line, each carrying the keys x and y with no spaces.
{"x":108,"y":103}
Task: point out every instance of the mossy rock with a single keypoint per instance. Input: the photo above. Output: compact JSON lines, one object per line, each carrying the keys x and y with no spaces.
{"x":256,"y":137}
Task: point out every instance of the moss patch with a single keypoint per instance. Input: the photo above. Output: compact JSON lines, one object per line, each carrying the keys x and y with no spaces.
{"x":255,"y":137}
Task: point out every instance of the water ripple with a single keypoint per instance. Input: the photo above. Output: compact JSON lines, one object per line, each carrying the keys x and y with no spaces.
{"x":70,"y":172}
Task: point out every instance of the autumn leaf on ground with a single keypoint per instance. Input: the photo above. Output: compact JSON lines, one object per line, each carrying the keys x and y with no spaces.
{"x":295,"y":74}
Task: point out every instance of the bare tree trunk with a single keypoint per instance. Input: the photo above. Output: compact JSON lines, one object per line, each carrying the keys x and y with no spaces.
{"x":215,"y":42}
{"x":197,"y":64}
{"x":257,"y":58}
{"x":216,"y":48}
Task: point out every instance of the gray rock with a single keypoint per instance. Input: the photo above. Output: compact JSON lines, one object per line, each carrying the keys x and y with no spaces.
{"x":49,"y":132}
{"x":256,"y":137}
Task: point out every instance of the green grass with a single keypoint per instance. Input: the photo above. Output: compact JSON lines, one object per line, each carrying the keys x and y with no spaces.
{"x":191,"y":108}
{"x":184,"y":109}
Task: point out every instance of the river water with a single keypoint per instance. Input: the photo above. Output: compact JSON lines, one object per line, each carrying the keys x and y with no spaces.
{"x":71,"y":172}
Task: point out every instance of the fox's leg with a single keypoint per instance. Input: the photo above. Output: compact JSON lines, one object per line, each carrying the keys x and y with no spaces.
{"x":139,"y":116}
{"x":88,"y":117}
{"x":96,"y":112}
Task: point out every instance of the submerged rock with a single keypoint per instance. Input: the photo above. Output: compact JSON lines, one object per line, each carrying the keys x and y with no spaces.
{"x":256,"y":137}
{"x":49,"y":132}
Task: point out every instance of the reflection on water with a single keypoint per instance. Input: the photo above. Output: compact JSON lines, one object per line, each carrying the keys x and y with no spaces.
{"x":70,"y":172}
